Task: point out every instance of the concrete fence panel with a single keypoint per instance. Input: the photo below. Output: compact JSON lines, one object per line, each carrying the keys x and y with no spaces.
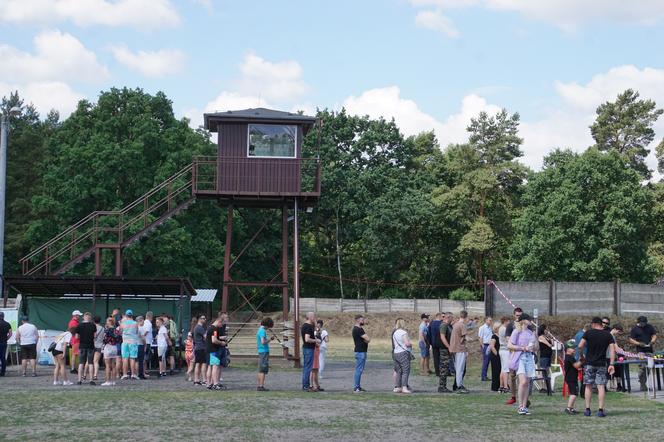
{"x":353,"y":305}
{"x":378,"y":305}
{"x":637,"y":299}
{"x":585,"y":298}
{"x":527,"y":295}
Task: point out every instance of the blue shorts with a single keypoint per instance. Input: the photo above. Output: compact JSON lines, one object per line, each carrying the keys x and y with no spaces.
{"x":129,"y":351}
{"x":526,"y":365}
{"x":214,"y":360}
{"x":424,"y":349}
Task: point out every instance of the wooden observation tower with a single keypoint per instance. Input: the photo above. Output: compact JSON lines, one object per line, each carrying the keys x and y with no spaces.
{"x":258,"y":166}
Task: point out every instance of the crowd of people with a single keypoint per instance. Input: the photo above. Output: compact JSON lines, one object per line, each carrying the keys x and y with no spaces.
{"x":515,"y":350}
{"x":512,"y":349}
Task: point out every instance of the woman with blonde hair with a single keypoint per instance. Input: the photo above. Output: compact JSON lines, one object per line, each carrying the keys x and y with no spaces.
{"x":402,"y":348}
{"x":523,"y":344}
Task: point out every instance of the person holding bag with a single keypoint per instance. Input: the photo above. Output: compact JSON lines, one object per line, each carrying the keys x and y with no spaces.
{"x":402,"y":348}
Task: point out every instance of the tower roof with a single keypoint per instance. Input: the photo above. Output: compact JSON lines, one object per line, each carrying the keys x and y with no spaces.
{"x":257,"y":115}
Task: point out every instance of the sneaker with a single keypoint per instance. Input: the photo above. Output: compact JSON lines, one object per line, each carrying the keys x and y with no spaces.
{"x":67,"y":383}
{"x":358,"y":390}
{"x":511,"y":401}
{"x":522,"y":411}
{"x":444,"y":390}
{"x":107,"y":384}
{"x":57,"y":383}
{"x":262,"y":389}
{"x":587,"y":413}
{"x":210,"y":387}
{"x":396,"y":390}
{"x":526,"y":411}
{"x":462,"y":390}
{"x":93,"y":383}
{"x":124,"y":377}
{"x":406,"y":391}
{"x":600,"y":413}
{"x":198,"y":383}
{"x":134,"y":377}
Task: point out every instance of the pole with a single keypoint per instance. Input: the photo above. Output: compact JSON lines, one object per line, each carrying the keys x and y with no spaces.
{"x":227,"y":260}
{"x":4,"y":128}
{"x":296,"y":287}
{"x":284,"y":268}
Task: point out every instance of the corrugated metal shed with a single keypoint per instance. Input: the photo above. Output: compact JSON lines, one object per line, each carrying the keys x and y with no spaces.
{"x":204,"y":295}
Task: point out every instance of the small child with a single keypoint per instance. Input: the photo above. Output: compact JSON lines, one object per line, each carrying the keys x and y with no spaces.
{"x":571,"y":375}
{"x":189,"y":355}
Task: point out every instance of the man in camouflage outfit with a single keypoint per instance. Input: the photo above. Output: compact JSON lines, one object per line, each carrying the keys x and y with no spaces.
{"x":445,"y":334}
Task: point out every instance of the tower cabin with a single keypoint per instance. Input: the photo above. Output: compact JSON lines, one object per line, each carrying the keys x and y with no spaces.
{"x":259,"y":159}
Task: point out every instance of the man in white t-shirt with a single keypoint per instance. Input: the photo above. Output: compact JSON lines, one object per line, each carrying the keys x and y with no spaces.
{"x":27,"y":336}
{"x":143,"y":341}
{"x":484,"y":334}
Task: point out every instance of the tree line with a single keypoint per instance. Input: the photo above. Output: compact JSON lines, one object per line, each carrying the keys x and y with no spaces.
{"x":398,"y":216}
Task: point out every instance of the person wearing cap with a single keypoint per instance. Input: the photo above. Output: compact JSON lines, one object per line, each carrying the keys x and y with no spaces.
{"x":571,"y":369}
{"x":598,"y":341}
{"x":74,"y":344}
{"x":424,"y":342}
{"x":5,"y":334}
{"x":523,"y":343}
{"x":129,"y":350}
{"x":643,"y":336}
{"x":27,"y":337}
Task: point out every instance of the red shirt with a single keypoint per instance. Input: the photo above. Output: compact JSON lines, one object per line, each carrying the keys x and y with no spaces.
{"x":73,"y":323}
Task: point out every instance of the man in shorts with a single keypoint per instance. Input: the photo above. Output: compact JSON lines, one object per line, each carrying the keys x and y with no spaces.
{"x":86,"y":332}
{"x":162,"y":345}
{"x":597,"y":340}
{"x":5,"y":334}
{"x":217,"y":341}
{"x":200,"y":360}
{"x":129,"y":329}
{"x":71,"y":326}
{"x":27,"y":337}
{"x":263,"y":347}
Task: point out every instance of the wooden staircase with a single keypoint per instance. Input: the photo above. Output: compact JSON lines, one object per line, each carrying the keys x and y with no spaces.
{"x":112,"y":229}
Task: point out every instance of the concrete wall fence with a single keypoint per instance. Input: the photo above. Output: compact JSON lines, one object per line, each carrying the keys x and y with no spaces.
{"x":576,"y":298}
{"x":430,"y":306}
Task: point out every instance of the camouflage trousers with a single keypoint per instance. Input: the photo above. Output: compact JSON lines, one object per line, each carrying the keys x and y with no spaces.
{"x":444,"y":367}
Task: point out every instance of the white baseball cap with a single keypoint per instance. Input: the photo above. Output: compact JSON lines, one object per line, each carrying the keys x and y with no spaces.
{"x":76,"y":313}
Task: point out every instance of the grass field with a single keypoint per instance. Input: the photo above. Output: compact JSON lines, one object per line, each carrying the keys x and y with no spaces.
{"x":171,"y":409}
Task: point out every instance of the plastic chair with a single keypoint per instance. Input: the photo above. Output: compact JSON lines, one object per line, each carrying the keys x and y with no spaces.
{"x":555,"y":374}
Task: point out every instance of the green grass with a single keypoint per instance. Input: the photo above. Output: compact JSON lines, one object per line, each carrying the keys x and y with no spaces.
{"x":247,"y":415}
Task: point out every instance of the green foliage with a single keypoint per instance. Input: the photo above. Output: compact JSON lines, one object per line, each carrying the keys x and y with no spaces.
{"x":625,"y":126}
{"x":464,"y":294}
{"x":396,"y":214}
{"x":585,"y":217}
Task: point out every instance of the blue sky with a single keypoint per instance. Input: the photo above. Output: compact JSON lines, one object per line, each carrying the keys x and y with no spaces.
{"x":430,"y":64}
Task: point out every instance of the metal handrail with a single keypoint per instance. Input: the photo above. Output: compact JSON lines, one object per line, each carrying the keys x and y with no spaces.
{"x":97,"y":216}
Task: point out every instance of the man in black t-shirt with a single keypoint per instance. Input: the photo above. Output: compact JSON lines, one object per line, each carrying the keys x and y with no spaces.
{"x":5,"y":334}
{"x":361,"y":341}
{"x":597,"y":341}
{"x":643,"y":336}
{"x":86,"y":333}
{"x":309,"y":342}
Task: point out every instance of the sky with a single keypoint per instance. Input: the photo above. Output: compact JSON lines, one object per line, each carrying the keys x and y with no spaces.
{"x":429,"y":64}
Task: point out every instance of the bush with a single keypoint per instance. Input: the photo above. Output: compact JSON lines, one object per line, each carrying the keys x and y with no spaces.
{"x":464,"y":294}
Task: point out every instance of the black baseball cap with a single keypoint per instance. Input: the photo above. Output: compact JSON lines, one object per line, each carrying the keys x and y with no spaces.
{"x":525,"y":317}
{"x":642,"y":320}
{"x":424,"y":316}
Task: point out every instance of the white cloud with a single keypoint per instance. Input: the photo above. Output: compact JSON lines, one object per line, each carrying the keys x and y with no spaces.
{"x":45,"y":96}
{"x":151,"y":64}
{"x":436,"y":21}
{"x":138,"y":13}
{"x":279,"y":81}
{"x":58,"y":56}
{"x":234,"y":101}
{"x":387,"y":103}
{"x":563,"y":126}
{"x":568,"y":15}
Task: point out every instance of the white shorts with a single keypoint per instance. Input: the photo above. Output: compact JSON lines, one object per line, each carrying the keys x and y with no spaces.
{"x":504,"y":360}
{"x":110,"y":351}
{"x":161,"y":351}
